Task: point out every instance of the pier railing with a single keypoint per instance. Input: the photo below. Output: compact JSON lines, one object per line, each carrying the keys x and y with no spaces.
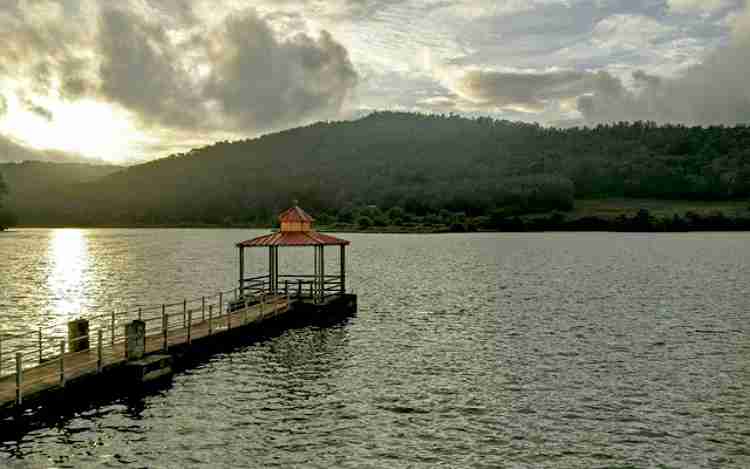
{"x":296,"y":286}
{"x":105,"y":331}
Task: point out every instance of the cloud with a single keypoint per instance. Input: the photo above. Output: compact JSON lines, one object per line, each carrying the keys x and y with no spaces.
{"x":715,"y":91}
{"x":263,"y":82}
{"x":712,"y":91}
{"x":691,"y":6}
{"x":141,"y":70}
{"x":527,"y":91}
{"x":238,"y":75}
{"x":3,"y":105}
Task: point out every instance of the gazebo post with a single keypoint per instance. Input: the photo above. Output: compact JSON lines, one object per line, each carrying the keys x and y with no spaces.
{"x":322,"y":274}
{"x":342,"y":274}
{"x":315,"y":275}
{"x":242,"y":267}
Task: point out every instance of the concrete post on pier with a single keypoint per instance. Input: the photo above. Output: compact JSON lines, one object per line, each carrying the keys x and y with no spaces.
{"x":78,"y":335}
{"x":135,"y":333}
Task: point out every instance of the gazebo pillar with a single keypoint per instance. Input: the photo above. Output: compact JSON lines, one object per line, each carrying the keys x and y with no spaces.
{"x":273,"y":269}
{"x":322,"y":275}
{"x":342,"y":272}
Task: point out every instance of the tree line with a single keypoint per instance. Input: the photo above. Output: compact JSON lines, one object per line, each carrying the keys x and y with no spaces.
{"x":7,"y":218}
{"x":412,"y":168}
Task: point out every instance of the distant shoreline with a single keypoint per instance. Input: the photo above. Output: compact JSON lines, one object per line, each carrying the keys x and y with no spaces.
{"x":387,"y":230}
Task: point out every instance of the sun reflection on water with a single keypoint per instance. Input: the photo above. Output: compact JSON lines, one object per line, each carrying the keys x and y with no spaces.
{"x":69,"y":270}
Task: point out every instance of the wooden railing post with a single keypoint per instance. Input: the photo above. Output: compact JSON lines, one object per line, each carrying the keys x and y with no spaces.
{"x":19,"y":378}
{"x":40,"y":345}
{"x":62,"y":363}
{"x":99,"y":337}
{"x":164,"y":325}
{"x":203,"y":308}
{"x":140,"y":314}
{"x":210,"y":319}
{"x":189,"y":327}
{"x":112,"y":328}
{"x":299,"y":288}
{"x":184,"y":312}
{"x":221,"y":302}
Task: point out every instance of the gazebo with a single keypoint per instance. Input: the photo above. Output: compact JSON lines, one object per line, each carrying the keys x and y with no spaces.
{"x":295,"y":231}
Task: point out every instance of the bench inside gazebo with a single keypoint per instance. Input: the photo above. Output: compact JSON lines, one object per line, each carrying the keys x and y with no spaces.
{"x":295,"y":231}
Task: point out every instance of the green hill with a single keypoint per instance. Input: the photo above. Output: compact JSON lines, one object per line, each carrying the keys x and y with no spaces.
{"x":409,"y":166}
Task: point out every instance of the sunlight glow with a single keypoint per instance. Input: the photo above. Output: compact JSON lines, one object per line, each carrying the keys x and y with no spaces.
{"x":69,"y":270}
{"x":88,"y":127}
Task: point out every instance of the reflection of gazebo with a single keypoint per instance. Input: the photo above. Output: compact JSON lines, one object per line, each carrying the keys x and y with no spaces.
{"x":296,"y":230}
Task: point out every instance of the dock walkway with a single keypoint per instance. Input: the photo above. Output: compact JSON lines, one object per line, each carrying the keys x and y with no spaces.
{"x":164,"y":330}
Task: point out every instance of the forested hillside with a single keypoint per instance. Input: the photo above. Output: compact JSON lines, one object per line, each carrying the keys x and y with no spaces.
{"x":408,"y":165}
{"x":42,"y":192}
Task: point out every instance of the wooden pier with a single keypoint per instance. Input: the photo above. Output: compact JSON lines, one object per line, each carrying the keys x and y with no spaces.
{"x":125,"y":349}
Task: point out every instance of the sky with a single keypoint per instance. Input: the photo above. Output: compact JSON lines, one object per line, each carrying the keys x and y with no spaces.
{"x":128,"y":81}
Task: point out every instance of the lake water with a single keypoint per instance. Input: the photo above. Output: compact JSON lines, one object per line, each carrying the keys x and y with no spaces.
{"x":477,"y":350}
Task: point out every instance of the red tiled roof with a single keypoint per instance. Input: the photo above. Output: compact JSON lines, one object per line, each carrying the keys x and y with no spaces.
{"x":294,"y":238}
{"x":295,"y":215}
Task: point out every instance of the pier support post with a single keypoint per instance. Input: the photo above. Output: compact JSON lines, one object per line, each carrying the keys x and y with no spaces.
{"x":164,"y":325}
{"x":342,"y":258}
{"x":99,"y":337}
{"x":112,"y":328}
{"x":19,"y":378}
{"x":140,"y":314}
{"x":78,"y":335}
{"x":1,"y":355}
{"x":40,"y":345}
{"x":184,"y":313}
{"x":221,"y":302}
{"x":136,"y":340}
{"x":203,"y":308}
{"x":62,"y":363}
{"x":210,"y":319}
{"x":189,"y":327}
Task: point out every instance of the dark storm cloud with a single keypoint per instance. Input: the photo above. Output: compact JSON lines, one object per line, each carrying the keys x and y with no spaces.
{"x":258,"y":81}
{"x":263,"y":82}
{"x":140,"y":70}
